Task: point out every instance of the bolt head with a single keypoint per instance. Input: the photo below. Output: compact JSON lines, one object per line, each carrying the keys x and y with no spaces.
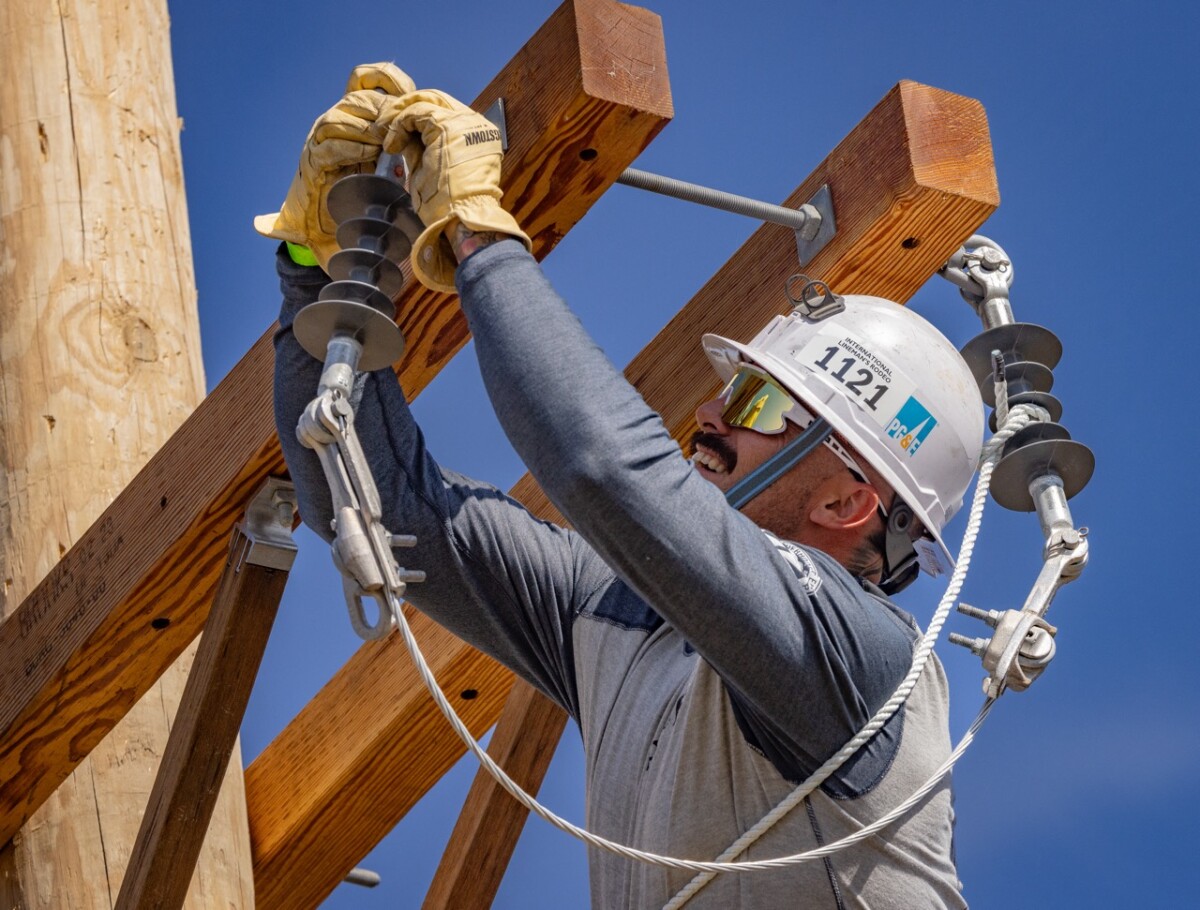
{"x":992,"y":258}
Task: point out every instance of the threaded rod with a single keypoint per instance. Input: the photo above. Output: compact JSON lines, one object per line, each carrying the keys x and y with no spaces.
{"x":796,"y":219}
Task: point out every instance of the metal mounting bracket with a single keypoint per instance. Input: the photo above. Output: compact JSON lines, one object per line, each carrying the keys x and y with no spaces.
{"x":809,"y":243}
{"x":267,"y":526}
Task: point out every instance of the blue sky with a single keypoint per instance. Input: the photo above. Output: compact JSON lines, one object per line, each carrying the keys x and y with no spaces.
{"x":1080,"y":792}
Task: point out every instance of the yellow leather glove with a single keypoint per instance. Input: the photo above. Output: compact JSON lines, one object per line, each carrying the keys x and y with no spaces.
{"x":345,"y":140}
{"x":453,"y":157}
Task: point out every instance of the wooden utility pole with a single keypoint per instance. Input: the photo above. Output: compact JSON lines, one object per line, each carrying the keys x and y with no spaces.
{"x":99,"y":363}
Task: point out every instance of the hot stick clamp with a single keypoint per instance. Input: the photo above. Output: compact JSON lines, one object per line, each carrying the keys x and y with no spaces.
{"x":352,"y":328}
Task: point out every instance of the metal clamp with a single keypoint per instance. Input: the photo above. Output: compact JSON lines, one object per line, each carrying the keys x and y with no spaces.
{"x":362,"y":547}
{"x":983,"y":274}
{"x":1017,"y":652}
{"x":267,"y":526}
{"x":1023,"y":643}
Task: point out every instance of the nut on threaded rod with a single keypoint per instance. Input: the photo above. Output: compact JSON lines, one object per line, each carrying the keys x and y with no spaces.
{"x":975,"y":645}
{"x":991,"y":617}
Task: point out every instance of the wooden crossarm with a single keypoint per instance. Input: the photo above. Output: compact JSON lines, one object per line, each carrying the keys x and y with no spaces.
{"x":912,"y":181}
{"x":205,"y":728}
{"x":136,"y":589}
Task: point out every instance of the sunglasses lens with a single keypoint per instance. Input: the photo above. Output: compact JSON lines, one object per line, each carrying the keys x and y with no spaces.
{"x":753,"y":402}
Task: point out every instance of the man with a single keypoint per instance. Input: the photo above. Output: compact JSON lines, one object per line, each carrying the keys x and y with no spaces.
{"x":713,"y":658}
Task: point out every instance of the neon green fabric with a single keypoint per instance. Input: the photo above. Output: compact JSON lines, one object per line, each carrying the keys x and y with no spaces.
{"x":301,"y":255}
{"x":344,"y":140}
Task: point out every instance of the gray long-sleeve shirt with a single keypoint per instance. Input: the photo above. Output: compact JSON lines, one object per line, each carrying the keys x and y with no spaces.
{"x":709,"y":665}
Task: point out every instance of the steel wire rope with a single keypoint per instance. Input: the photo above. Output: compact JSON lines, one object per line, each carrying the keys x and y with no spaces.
{"x":1018,"y":417}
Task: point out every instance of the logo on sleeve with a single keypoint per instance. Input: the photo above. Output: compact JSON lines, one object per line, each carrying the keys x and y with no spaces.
{"x":801,"y":563}
{"x":911,"y":426}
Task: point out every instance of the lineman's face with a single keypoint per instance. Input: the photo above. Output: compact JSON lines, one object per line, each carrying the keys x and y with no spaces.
{"x":723,"y":454}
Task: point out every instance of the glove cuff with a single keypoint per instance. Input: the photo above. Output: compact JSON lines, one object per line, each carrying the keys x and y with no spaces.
{"x":483,"y":213}
{"x":433,"y":259}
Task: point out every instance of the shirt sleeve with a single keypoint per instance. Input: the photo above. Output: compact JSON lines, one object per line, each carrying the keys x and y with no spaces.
{"x":806,"y":654}
{"x":506,"y":582}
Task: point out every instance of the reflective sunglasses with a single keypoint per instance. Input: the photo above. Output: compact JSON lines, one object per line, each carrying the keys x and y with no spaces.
{"x":754,"y":401}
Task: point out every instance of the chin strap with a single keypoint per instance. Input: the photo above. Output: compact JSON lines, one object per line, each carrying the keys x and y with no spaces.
{"x":778,"y":464}
{"x":900,"y":561}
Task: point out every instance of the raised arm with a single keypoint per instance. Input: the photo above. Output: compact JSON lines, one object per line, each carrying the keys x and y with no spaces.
{"x":499,"y":578}
{"x":774,"y":622}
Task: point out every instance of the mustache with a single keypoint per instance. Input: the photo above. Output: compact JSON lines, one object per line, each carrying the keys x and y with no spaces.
{"x":717,"y":445}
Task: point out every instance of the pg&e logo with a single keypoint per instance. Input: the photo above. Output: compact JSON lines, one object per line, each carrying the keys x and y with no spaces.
{"x":911,"y":426}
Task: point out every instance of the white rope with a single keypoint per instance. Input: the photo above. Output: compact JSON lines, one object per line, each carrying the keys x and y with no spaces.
{"x":1018,"y":417}
{"x":1000,"y":378}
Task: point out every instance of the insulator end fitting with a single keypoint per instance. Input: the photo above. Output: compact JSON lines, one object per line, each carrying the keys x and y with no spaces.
{"x":991,"y":617}
{"x":975,"y":645}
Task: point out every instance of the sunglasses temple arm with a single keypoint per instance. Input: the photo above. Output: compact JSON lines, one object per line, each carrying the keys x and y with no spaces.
{"x":778,"y":464}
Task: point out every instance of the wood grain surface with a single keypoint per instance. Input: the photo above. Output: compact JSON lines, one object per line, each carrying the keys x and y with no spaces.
{"x":99,"y":364}
{"x":204,"y":730}
{"x":136,"y":588}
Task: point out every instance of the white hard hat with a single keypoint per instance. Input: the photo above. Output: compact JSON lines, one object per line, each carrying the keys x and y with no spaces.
{"x":890,"y":385}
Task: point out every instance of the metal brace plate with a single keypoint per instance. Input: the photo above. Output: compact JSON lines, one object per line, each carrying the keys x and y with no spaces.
{"x":808,"y":247}
{"x":268,"y":526}
{"x":495,"y":113}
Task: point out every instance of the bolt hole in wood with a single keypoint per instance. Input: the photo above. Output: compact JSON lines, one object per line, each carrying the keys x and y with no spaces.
{"x":910,"y":243}
{"x":469,"y":694}
{"x":162,"y":503}
{"x":588,"y":155}
{"x":159,"y":623}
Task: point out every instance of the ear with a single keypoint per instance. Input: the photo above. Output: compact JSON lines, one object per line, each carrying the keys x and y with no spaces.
{"x":844,"y":504}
